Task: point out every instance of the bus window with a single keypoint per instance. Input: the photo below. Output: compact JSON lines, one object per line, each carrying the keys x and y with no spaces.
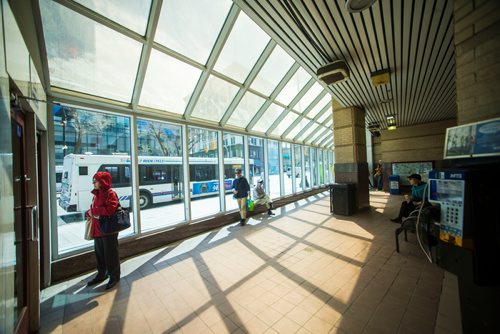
{"x":154,"y":174}
{"x":120,"y":174}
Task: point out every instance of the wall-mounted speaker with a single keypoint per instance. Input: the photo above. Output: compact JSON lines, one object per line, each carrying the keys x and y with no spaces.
{"x":334,"y":72}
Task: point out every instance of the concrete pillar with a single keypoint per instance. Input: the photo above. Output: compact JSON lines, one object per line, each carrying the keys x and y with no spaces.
{"x":477,"y":50}
{"x":351,"y":165}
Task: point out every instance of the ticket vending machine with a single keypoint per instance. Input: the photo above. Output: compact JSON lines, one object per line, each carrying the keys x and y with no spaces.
{"x":469,"y":240}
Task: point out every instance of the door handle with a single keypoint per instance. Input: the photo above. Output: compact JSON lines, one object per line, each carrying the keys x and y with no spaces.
{"x":33,"y":224}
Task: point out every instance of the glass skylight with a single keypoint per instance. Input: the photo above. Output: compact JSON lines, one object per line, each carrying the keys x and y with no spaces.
{"x":275,"y":68}
{"x":246,"y":110}
{"x":132,"y":14}
{"x":303,"y":122}
{"x":308,"y":97}
{"x":168,"y":84}
{"x":326,"y":100}
{"x":243,"y":47}
{"x":268,"y":118}
{"x":191,"y":32}
{"x":285,"y":124}
{"x":294,"y":86}
{"x":214,"y":100}
{"x":88,"y":57}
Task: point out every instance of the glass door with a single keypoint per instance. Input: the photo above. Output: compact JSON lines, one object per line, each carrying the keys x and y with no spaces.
{"x":20,"y":259}
{"x":25,"y":191}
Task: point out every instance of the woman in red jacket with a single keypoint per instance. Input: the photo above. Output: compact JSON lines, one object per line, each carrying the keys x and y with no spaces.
{"x":104,"y":203}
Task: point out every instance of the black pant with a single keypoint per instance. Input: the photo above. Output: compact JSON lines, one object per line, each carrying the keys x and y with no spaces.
{"x":106,"y":253}
{"x":406,"y":209}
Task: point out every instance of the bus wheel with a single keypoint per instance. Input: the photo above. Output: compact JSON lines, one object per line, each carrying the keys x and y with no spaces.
{"x":144,"y":200}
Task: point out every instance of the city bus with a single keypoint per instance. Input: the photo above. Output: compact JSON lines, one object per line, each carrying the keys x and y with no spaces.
{"x":160,"y":178}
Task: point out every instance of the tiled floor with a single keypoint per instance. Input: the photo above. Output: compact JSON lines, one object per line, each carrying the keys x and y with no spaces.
{"x":303,"y":271}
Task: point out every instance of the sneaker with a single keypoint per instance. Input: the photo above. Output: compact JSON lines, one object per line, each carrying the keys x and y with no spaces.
{"x":270,"y":213}
{"x":396,"y":220}
{"x":112,"y":282}
{"x":97,"y":280}
{"x":242,"y":222}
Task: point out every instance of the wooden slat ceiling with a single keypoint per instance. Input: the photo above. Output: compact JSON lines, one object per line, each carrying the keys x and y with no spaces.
{"x":414,"y":39}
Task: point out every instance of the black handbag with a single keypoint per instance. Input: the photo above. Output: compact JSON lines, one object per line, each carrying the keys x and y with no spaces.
{"x":118,"y":221}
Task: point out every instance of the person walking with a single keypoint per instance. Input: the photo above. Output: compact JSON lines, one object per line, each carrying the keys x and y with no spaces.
{"x":260,"y":196}
{"x":379,"y":175}
{"x":240,"y":191}
{"x":104,"y":203}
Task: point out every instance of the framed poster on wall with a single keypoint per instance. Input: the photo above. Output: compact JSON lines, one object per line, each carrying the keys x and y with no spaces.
{"x":405,"y":169}
{"x":459,"y":141}
{"x":473,"y":140}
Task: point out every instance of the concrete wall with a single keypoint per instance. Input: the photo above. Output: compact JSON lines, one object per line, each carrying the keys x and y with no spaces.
{"x":423,"y":142}
{"x":477,"y":54}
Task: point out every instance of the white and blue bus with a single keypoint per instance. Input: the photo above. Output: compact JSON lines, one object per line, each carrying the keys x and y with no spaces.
{"x":160,"y":178}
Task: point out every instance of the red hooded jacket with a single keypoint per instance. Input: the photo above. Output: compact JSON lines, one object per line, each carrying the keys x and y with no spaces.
{"x":104,"y":203}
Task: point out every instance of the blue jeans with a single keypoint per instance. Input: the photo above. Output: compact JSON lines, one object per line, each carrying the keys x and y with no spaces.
{"x":380,"y":182}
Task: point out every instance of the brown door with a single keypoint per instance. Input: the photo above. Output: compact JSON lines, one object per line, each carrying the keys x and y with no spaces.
{"x":25,"y":227}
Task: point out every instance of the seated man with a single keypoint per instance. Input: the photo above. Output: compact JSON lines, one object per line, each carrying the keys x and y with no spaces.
{"x":411,"y":201}
{"x":260,"y":197}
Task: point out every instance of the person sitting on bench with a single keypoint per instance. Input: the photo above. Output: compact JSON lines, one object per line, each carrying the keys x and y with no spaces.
{"x":260,"y":196}
{"x":413,"y":200}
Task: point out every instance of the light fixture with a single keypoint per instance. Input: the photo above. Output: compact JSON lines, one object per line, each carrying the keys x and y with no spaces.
{"x":355,"y":6}
{"x":391,"y":123}
{"x":374,"y":129}
{"x":382,"y":77}
{"x":333,"y":72}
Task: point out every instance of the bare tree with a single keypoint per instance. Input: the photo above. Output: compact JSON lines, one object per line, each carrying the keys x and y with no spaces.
{"x":85,"y":122}
{"x":159,"y":133}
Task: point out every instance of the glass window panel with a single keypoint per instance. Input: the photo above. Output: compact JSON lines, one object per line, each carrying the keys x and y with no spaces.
{"x":321,"y":167}
{"x":326,"y":100}
{"x":314,"y":165}
{"x":326,"y":158}
{"x":308,"y":97}
{"x":161,"y":194}
{"x":214,"y":100}
{"x":191,"y":27}
{"x":325,"y":115}
{"x":256,"y":159}
{"x":89,"y":142}
{"x":285,"y":124}
{"x":246,"y":110}
{"x":132,"y":14}
{"x":273,"y":164}
{"x":88,"y":57}
{"x":268,"y":117}
{"x":310,"y":130}
{"x":307,"y":167}
{"x":168,"y":84}
{"x":329,"y":123}
{"x":287,"y":167}
{"x":275,"y":68}
{"x":293,"y":87}
{"x":242,"y":49}
{"x":234,"y":157}
{"x":203,"y":172}
{"x":297,"y":153}
{"x":303,"y":122}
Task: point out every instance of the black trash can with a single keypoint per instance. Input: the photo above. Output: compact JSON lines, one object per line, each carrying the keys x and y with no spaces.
{"x":343,"y":199}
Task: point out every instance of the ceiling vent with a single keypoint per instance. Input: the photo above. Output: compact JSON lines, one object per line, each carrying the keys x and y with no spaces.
{"x":334,"y":72}
{"x":354,"y":6}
